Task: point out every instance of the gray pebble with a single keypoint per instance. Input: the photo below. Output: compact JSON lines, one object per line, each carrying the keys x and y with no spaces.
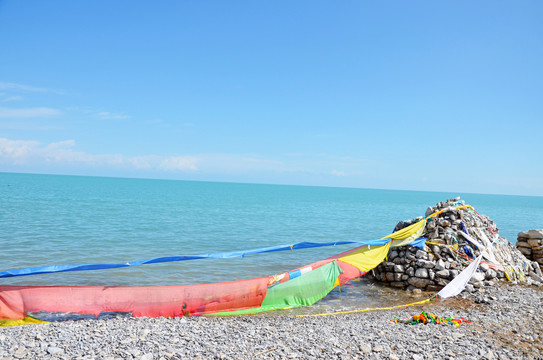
{"x":54,"y":350}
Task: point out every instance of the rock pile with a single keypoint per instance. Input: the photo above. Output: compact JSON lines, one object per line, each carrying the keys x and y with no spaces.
{"x":455,"y":236}
{"x":530,"y":244}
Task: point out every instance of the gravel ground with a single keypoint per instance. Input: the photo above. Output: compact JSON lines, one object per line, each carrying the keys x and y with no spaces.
{"x":506,"y":323}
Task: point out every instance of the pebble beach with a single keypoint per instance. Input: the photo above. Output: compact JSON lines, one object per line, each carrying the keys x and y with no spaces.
{"x":505,"y":323}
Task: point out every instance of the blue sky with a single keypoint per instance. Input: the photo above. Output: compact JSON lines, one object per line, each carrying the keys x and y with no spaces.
{"x":418,"y":95}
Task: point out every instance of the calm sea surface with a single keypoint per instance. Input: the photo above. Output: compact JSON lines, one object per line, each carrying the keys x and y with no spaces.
{"x":50,"y":219}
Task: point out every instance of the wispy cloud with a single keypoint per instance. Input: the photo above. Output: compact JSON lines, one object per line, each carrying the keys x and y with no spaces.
{"x":32,"y":125}
{"x":98,"y":114}
{"x":28,"y":112}
{"x":228,"y":163}
{"x":106,"y":115}
{"x":16,"y":150}
{"x":26,"y":88}
{"x":25,"y":152}
{"x":11,"y":92}
{"x":173,"y":163}
{"x":30,"y":155}
{"x":12,"y":98}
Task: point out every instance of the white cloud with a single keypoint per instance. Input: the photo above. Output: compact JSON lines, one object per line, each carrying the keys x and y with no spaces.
{"x":12,"y":98}
{"x":32,"y":125}
{"x":17,"y":150}
{"x":28,"y":113}
{"x":11,"y":92}
{"x":26,"y":88}
{"x":63,"y":153}
{"x":179,"y":163}
{"x":240,"y":163}
{"x":106,"y":115}
{"x":141,"y":162}
{"x":22,"y":152}
{"x":102,"y":115}
{"x":59,"y":156}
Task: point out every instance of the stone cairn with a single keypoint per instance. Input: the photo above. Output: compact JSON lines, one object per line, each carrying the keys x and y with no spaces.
{"x":530,"y":244}
{"x":454,"y":238}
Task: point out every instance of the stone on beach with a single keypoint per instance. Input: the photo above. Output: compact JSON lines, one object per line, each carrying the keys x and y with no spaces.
{"x":496,"y":332}
{"x":454,"y":237}
{"x":530,"y":244}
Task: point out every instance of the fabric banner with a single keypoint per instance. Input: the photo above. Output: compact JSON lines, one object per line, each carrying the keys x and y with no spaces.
{"x":407,"y":232}
{"x":459,"y":283}
{"x":301,"y":291}
{"x":411,"y":235}
{"x":219,"y":255}
{"x":367,"y":258}
{"x":153,"y":301}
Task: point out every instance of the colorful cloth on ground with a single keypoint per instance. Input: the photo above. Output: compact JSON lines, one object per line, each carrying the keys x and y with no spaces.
{"x":426,"y":318}
{"x":18,"y":322}
{"x":303,"y":290}
{"x":153,"y":301}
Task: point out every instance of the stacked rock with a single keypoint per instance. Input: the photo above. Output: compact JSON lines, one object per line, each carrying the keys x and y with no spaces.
{"x":455,"y":236}
{"x":411,"y":266}
{"x":530,"y":244}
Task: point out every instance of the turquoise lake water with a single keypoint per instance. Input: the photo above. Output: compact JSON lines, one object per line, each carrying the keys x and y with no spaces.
{"x":52,"y":219}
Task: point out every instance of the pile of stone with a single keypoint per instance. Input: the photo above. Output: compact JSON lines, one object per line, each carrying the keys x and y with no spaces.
{"x":455,"y":237}
{"x":530,"y":244}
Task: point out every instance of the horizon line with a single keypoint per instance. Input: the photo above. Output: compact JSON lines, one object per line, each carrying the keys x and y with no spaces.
{"x":258,"y":183}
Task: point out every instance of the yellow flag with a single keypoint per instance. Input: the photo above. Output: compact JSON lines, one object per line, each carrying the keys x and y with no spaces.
{"x":367,"y":258}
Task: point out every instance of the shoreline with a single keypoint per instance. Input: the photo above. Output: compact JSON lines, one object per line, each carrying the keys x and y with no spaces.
{"x":505,"y":324}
